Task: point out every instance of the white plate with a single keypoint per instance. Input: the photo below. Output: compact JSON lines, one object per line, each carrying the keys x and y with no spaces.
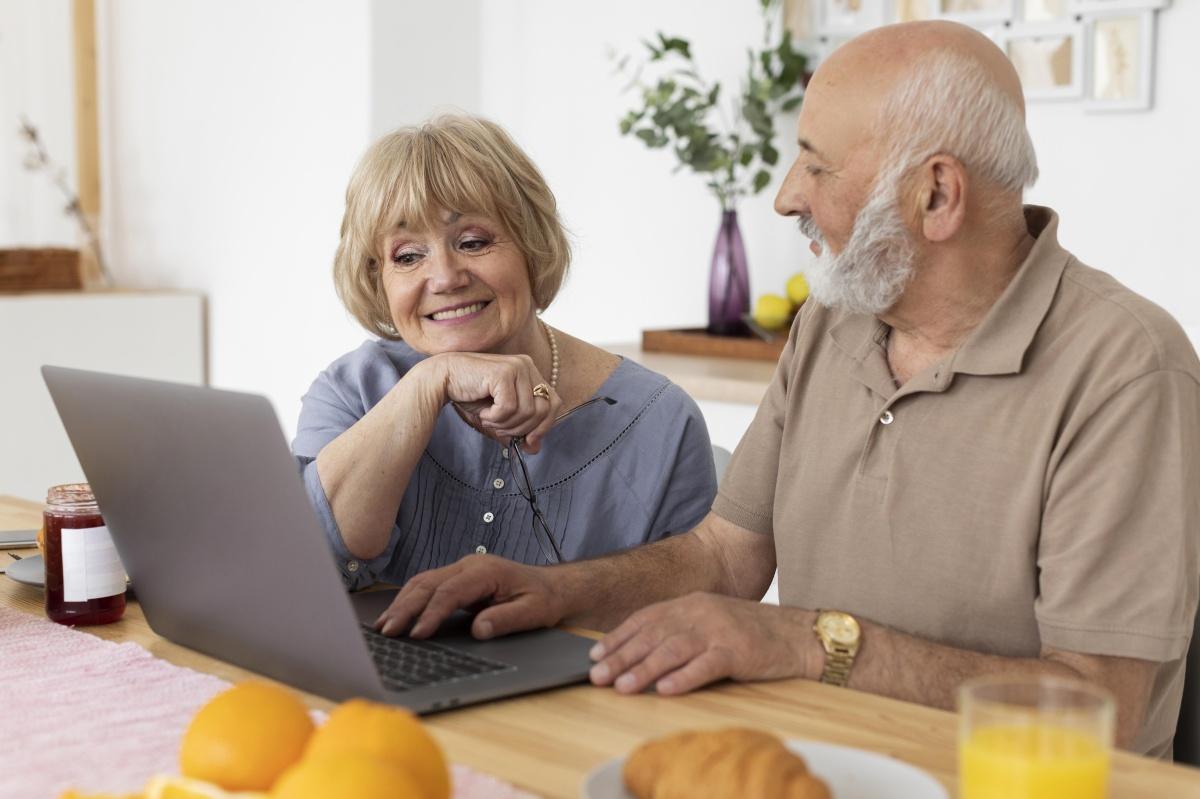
{"x":27,"y":570}
{"x":850,"y":774}
{"x":31,"y":571}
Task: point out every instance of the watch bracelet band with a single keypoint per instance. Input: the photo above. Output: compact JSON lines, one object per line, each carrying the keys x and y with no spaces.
{"x":838,"y":661}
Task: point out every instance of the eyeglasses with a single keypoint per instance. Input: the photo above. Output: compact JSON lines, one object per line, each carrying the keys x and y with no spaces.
{"x":524,"y":485}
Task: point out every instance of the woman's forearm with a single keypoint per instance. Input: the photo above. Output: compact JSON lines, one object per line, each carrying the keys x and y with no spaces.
{"x":365,"y":471}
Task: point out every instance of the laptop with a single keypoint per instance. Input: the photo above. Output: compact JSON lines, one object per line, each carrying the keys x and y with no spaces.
{"x":208,"y":511}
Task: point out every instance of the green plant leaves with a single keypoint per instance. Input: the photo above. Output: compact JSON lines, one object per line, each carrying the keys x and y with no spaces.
{"x":683,"y":111}
{"x":761,"y":178}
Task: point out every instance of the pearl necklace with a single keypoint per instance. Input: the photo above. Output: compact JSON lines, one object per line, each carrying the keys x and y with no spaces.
{"x":553,"y":354}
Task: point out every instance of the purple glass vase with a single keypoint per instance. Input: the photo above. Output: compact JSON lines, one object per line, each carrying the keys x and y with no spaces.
{"x":728,"y":280}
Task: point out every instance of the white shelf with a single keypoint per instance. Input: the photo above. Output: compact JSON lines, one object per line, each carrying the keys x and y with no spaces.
{"x":155,"y":334}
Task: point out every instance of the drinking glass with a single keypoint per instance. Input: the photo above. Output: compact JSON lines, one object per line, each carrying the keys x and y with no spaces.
{"x":1034,"y":737}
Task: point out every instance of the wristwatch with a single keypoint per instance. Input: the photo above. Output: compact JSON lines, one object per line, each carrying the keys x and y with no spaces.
{"x":841,"y":636}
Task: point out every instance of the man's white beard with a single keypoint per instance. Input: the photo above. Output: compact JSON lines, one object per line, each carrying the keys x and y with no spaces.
{"x":870,"y":273}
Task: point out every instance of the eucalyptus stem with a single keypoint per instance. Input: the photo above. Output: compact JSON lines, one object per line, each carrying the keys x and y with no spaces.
{"x":683,"y":111}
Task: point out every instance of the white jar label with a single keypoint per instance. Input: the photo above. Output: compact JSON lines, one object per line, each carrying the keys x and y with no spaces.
{"x":91,"y":567}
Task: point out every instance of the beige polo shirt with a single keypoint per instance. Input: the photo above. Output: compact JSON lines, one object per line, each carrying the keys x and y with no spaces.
{"x":1038,"y":488}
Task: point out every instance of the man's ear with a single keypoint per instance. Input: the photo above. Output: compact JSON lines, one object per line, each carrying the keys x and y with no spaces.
{"x":942,"y":197}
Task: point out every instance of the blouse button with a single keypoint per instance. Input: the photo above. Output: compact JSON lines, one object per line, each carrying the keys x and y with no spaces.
{"x":352,"y":566}
{"x":497,"y":483}
{"x":887,"y":418}
{"x":481,"y":550}
{"x":487,"y":517}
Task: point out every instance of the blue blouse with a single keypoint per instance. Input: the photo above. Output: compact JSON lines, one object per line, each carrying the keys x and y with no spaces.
{"x":608,"y":477}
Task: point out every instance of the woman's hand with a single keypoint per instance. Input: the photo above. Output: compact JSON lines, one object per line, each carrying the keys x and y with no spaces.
{"x":494,"y":394}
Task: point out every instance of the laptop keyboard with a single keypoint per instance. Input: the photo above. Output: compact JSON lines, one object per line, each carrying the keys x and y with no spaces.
{"x":407,"y":663}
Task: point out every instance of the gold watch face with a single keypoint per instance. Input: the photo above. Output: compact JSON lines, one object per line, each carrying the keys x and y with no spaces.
{"x":841,"y":628}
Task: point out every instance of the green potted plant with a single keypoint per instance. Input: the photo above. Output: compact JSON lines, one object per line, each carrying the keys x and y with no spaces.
{"x":728,"y":143}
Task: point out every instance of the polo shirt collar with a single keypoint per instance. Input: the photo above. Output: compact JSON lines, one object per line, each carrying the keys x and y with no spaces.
{"x":998,"y":345}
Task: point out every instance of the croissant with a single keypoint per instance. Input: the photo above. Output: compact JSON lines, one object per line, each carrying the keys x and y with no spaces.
{"x":716,"y":764}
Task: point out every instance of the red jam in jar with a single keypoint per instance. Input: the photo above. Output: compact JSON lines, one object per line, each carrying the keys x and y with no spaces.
{"x":85,"y":582}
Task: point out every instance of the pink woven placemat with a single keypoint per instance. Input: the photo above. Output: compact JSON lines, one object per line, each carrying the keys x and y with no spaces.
{"x":78,"y":711}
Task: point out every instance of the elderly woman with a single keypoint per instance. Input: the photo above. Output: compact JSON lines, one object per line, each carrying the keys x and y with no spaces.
{"x":470,"y":425}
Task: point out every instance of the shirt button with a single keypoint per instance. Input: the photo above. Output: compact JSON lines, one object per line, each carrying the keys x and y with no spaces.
{"x":887,"y":418}
{"x":352,"y":566}
{"x":487,"y":517}
{"x":497,"y":483}
{"x":481,"y":550}
{"x":504,"y":452}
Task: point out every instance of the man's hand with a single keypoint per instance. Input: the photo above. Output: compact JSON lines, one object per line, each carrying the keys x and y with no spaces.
{"x":514,"y":596}
{"x":682,"y":644}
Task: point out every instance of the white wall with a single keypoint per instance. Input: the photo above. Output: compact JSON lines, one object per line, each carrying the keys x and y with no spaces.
{"x":37,"y":82}
{"x":229,"y":132}
{"x":1125,"y":184}
{"x":424,"y":57}
{"x":644,"y":236}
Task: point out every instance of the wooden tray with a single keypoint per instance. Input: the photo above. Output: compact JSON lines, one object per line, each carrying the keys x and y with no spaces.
{"x":697,"y":341}
{"x":47,"y":269}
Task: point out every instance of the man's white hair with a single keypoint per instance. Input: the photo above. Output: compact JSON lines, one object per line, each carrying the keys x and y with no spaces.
{"x":949,"y":104}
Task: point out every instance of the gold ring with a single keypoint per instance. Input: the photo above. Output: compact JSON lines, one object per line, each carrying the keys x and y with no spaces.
{"x":541,"y":390}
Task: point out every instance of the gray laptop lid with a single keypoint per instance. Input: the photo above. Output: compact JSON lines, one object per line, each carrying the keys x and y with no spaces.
{"x":156,"y":454}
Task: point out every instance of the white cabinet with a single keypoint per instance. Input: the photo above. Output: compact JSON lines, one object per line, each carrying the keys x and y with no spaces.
{"x":159,"y":335}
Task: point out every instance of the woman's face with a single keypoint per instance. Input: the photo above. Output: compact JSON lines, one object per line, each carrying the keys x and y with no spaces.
{"x":462,"y":287}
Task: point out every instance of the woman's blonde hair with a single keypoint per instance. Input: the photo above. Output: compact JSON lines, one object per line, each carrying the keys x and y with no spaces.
{"x":458,"y":163}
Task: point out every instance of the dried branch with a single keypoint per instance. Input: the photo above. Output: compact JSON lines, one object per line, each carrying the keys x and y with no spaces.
{"x":38,"y":160}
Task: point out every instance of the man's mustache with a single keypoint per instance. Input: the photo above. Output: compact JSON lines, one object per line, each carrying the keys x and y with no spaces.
{"x":809,"y":228}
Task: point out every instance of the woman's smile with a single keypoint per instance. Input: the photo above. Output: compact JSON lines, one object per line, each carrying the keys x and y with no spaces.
{"x":458,"y":314}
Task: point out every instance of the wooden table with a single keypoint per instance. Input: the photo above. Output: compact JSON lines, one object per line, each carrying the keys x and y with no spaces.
{"x":547,"y":742}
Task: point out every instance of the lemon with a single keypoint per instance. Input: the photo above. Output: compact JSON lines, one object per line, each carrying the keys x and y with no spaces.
{"x":172,"y":787}
{"x":772,"y":311}
{"x":797,"y":289}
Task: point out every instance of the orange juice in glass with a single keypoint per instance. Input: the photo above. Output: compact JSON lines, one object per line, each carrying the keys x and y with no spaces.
{"x":1034,"y":738}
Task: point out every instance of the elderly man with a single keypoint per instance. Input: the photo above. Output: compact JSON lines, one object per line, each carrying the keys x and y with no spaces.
{"x":977,"y":454}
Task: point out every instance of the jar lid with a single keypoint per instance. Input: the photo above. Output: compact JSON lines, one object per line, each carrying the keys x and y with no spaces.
{"x":70,"y":494}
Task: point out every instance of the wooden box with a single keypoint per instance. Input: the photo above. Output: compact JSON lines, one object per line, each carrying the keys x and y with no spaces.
{"x":47,"y":269}
{"x":698,"y":341}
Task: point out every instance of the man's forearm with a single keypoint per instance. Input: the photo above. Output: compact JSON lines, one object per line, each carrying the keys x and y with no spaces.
{"x":909,"y":668}
{"x":599,"y":594}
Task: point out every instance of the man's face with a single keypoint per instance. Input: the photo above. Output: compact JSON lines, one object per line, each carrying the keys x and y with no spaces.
{"x":846,"y":203}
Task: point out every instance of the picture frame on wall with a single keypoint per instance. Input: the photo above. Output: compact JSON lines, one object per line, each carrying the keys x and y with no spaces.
{"x":799,"y":18}
{"x":1048,"y":57}
{"x":976,"y":12}
{"x":913,"y":10}
{"x":842,"y":17}
{"x":1120,"y":67}
{"x":1089,"y":6}
{"x":1044,"y":10}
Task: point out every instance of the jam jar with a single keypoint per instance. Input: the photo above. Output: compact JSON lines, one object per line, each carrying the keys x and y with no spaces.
{"x":85,"y":581}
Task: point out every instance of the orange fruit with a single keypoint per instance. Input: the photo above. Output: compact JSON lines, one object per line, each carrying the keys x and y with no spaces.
{"x":346,"y":775}
{"x":390,"y":734}
{"x":71,"y":793}
{"x":172,"y":787}
{"x":245,"y":737}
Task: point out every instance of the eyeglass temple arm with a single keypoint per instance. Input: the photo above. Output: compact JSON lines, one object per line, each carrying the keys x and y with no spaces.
{"x":582,"y":405}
